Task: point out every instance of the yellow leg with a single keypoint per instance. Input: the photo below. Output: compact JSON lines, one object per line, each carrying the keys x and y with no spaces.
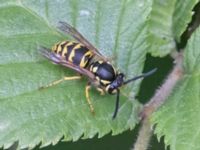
{"x":87,"y":88}
{"x":61,"y":80}
{"x":101,"y":91}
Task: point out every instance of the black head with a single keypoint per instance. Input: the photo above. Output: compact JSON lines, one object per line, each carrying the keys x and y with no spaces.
{"x":118,"y":82}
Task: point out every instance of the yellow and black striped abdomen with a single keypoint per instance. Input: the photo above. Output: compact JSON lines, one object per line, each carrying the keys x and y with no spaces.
{"x":74,"y":52}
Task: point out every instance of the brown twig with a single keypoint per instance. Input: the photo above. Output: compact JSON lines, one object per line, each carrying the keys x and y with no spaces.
{"x":144,"y":136}
{"x":156,"y":101}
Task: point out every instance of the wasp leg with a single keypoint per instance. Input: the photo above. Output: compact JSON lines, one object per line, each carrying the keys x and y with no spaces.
{"x":101,"y":91}
{"x":61,"y":80}
{"x":87,"y":88}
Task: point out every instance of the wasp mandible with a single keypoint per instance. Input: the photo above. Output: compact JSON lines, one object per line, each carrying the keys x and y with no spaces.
{"x":85,"y":59}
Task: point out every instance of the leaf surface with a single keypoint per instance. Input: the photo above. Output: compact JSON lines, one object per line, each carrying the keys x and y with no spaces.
{"x":167,"y":22}
{"x":30,"y":115}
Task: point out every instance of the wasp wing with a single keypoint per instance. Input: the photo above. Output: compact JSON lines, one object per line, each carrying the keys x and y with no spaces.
{"x":59,"y":60}
{"x":68,"y":29}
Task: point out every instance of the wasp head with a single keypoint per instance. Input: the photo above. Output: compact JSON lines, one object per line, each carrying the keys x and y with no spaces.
{"x":118,"y":82}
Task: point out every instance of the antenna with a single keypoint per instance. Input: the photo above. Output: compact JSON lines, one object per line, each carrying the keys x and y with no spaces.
{"x":141,"y":76}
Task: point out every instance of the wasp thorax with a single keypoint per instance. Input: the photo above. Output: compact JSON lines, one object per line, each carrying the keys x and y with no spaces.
{"x":104,"y":72}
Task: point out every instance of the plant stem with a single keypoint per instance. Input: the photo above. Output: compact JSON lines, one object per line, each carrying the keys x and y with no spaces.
{"x":156,"y":101}
{"x":144,"y":136}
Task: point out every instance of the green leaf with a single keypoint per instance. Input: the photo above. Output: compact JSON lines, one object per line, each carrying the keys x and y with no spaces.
{"x":182,"y":16}
{"x":167,"y":21}
{"x":29,"y":115}
{"x":178,"y":120}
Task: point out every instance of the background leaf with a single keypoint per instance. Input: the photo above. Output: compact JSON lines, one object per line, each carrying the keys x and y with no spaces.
{"x":167,"y":22}
{"x":179,"y":118}
{"x":30,"y":115}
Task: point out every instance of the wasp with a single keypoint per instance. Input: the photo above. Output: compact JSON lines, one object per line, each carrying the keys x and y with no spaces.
{"x":80,"y":55}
